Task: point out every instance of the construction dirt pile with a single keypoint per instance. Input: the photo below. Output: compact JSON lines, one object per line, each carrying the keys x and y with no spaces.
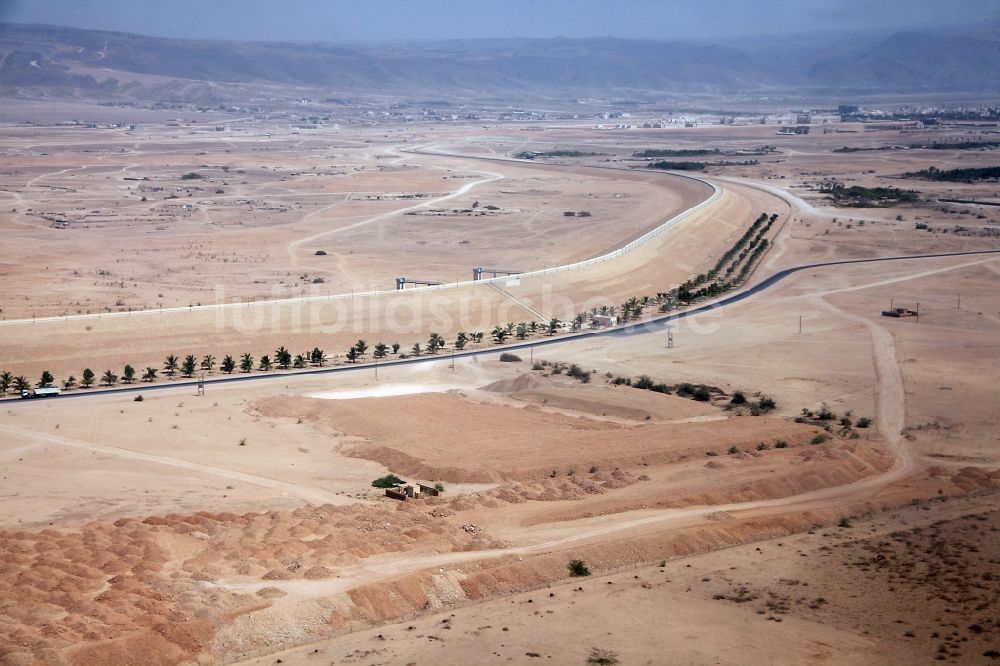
{"x":425,"y":438}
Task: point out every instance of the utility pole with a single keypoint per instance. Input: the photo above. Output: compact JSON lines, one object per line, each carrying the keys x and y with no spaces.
{"x":376,"y":366}
{"x":453,"y":359}
{"x":959,"y":305}
{"x":670,"y":339}
{"x":800,"y":324}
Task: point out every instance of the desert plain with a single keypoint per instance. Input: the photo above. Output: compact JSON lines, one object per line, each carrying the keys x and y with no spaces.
{"x":789,"y":477}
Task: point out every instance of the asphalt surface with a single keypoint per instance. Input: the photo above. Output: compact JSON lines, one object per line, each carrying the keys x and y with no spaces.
{"x":654,"y":325}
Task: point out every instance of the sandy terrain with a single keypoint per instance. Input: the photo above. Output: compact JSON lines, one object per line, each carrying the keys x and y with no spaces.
{"x":241,"y":524}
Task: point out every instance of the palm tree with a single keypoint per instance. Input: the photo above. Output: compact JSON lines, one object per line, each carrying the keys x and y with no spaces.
{"x":362,"y":347}
{"x":352,"y":354}
{"x":283,"y":357}
{"x":189,"y":366}
{"x":509,"y":327}
{"x":434,"y":343}
{"x":553,"y":326}
{"x":522,"y":331}
{"x":149,"y":375}
{"x":500,"y":334}
{"x":109,"y":378}
{"x":246,"y":362}
{"x":21,"y":384}
{"x":128,"y":374}
{"x":208,"y":363}
{"x":265,"y":363}
{"x":317,"y":357}
{"x":578,"y":321}
{"x":533,"y":326}
{"x":380,"y":350}
{"x":69,"y":383}
{"x":170,"y":365}
{"x":300,"y":361}
{"x":6,"y":379}
{"x":228,"y":365}
{"x":416,"y":349}
{"x":87,"y":378}
{"x":46,"y":380}
{"x":478,"y":335}
{"x":460,"y":342}
{"x":395,"y":347}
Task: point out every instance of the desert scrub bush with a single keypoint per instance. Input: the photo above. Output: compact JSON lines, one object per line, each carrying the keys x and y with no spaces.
{"x":602,"y":657}
{"x":643,"y":382}
{"x":863,"y":422}
{"x":661,"y":388}
{"x":819,"y":439}
{"x":701,"y":394}
{"x":733,"y":450}
{"x":767,"y":403}
{"x":826,"y":414}
{"x":844,"y":522}
{"x":578,"y":568}
{"x":439,"y":487}
{"x":738,"y":398}
{"x":537,"y":366}
{"x":619,"y":381}
{"x":507,"y":357}
{"x":711,"y":453}
{"x":577,"y":372}
{"x":138,"y":398}
{"x":387,"y":481}
{"x":763,"y":446}
{"x":781,"y":444}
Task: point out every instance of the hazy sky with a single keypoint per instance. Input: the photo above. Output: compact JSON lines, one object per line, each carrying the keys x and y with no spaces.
{"x":350,"y":20}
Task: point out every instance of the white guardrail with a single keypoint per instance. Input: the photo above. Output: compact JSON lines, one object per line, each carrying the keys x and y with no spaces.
{"x":502,"y":280}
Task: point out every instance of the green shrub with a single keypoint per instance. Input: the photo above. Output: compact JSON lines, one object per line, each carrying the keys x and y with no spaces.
{"x":387,"y":481}
{"x":643,"y":382}
{"x":733,"y":450}
{"x":738,"y":398}
{"x":819,"y":439}
{"x":602,"y":657}
{"x":138,"y":398}
{"x":578,"y":568}
{"x":763,"y":446}
{"x":701,"y":394}
{"x":510,"y":358}
{"x":863,"y":422}
{"x":439,"y":487}
{"x":781,"y":444}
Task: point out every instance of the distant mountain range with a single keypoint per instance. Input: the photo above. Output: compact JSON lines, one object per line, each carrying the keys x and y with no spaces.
{"x":41,"y":61}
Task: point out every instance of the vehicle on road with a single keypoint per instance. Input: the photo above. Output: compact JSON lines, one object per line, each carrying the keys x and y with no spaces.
{"x":48,"y":392}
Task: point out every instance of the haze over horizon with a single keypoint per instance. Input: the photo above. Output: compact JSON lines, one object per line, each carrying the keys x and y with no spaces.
{"x":385,"y":20}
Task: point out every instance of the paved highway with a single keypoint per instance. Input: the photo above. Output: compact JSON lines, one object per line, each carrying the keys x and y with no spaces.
{"x":640,"y":328}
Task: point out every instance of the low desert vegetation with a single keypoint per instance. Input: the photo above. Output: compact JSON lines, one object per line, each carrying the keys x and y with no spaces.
{"x":578,"y":568}
{"x":387,"y":481}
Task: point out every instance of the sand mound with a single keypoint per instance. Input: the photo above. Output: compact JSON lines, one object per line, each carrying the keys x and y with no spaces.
{"x":524,"y":382}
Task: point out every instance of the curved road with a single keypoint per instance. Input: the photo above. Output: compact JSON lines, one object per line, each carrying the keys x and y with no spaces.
{"x":648,"y":326}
